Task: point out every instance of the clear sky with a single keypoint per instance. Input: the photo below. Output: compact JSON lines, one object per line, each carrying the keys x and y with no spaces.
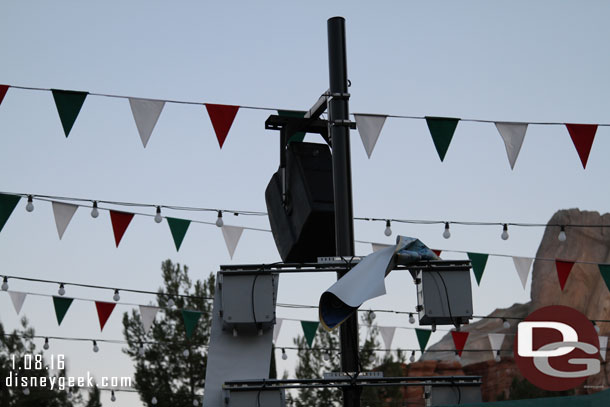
{"x":543,"y":61}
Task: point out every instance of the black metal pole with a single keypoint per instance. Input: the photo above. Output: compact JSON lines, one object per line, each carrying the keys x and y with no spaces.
{"x":338,"y":117}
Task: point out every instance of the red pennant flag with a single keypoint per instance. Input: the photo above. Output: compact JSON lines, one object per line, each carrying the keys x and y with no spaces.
{"x":437,"y":252}
{"x":120,"y":221}
{"x":582,"y":137}
{"x":3,"y":89}
{"x":459,"y":340}
{"x":104,"y":309}
{"x":222,"y":117}
{"x":563,"y":271}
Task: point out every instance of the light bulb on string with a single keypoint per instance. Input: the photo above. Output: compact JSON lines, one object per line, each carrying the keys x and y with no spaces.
{"x":94,"y":211}
{"x":153,"y":401}
{"x":219,"y":222}
{"x":596,"y":327}
{"x":69,"y":393}
{"x":372,"y":314}
{"x":186,"y":353}
{"x":26,"y":391}
{"x":457,"y":356}
{"x":95,"y":347}
{"x":171,"y":303}
{"x":158,"y":217}
{"x":326,"y":357}
{"x":433,"y":327}
{"x":284,"y":355}
{"x":498,"y":358}
{"x":195,"y":403}
{"x":46,"y":344}
{"x":112,"y":396}
{"x":504,"y":234}
{"x":505,"y":323}
{"x":116,"y":297}
{"x":412,"y":358}
{"x":411,"y":318}
{"x":141,"y":349}
{"x":388,"y":228}
{"x":5,"y":284}
{"x":62,"y":290}
{"x":30,"y":205}
{"x":562,"y":234}
{"x":446,"y":232}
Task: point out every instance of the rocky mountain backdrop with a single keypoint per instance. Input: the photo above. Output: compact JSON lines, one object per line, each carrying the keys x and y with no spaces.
{"x":585,"y":291}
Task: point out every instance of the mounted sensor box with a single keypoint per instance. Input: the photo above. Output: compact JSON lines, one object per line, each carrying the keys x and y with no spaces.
{"x":247,"y":301}
{"x":249,"y":398}
{"x":443,"y":297}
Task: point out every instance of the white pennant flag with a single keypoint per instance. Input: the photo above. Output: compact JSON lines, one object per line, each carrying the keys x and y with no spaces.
{"x":496,"y":341}
{"x":369,"y":126}
{"x":63,"y":215}
{"x":276,"y":329}
{"x":148,"y":315}
{"x":513,"y":135}
{"x":523,"y":265}
{"x":232,"y":234}
{"x":379,"y":246}
{"x":146,"y":112}
{"x":603,"y":342}
{"x":387,"y":333}
{"x":18,"y":299}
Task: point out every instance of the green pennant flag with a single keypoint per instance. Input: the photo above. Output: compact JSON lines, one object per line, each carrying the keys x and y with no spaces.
{"x":178,"y":227}
{"x":68,"y":104}
{"x":7,"y":205}
{"x":442,"y":129}
{"x":423,"y":335}
{"x":309,"y":329}
{"x":299,"y":136}
{"x":61,"y":307}
{"x":478,"y":260}
{"x":190,"y":321}
{"x":604,"y":269}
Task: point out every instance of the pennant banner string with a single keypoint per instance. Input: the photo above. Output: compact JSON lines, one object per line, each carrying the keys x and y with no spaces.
{"x":545,"y":123}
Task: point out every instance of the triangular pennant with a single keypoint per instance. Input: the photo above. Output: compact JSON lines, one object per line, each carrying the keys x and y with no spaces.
{"x":18,"y":298}
{"x":478,"y":260}
{"x":369,"y":126}
{"x":178,"y":227}
{"x":603,"y":344}
{"x":442,"y":129}
{"x":423,"y":335}
{"x":104,"y":309}
{"x":63,"y":213}
{"x":604,"y":270}
{"x":298,"y":136}
{"x":69,"y":103}
{"x":276,"y":329}
{"x":563,"y":271}
{"x":222,"y":117}
{"x":459,"y":340}
{"x":513,"y":135}
{"x":523,"y":265}
{"x":190,"y":321}
{"x":232,"y":234}
{"x":120,"y":221}
{"x":3,"y":89}
{"x":147,"y":316}
{"x":387,"y":334}
{"x":378,"y":246}
{"x":7,"y":205}
{"x":61,"y":305}
{"x":437,"y":252}
{"x":496,"y":340}
{"x":309,"y":329}
{"x":146,"y":112}
{"x":582,"y":136}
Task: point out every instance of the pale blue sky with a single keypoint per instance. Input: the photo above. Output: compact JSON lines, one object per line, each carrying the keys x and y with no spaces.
{"x":517,"y":60}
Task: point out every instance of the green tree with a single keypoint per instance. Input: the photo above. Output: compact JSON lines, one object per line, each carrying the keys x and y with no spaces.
{"x":314,"y":362}
{"x":15,"y":346}
{"x":172,"y":366}
{"x":94,"y":397}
